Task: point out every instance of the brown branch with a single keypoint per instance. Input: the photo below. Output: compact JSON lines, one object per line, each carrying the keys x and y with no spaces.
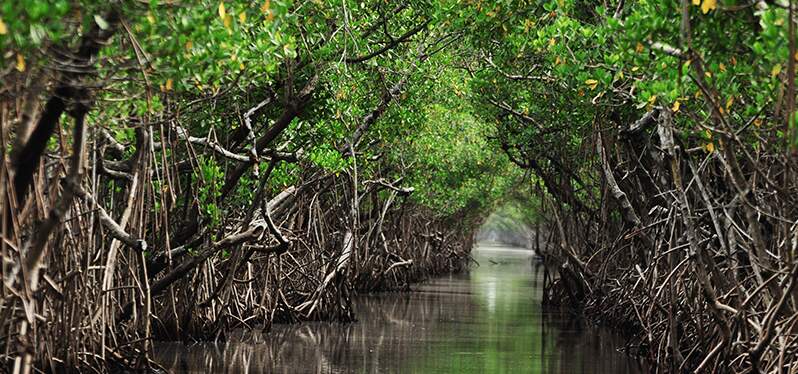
{"x":410,"y":33}
{"x":116,"y":230}
{"x":29,"y":156}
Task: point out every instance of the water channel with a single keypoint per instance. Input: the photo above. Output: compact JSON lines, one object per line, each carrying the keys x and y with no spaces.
{"x":488,"y":320}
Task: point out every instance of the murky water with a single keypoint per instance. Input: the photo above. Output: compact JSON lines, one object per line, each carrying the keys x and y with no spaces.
{"x":486,"y":321}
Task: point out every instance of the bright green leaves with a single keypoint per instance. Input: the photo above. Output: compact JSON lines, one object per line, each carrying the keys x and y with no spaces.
{"x":328,"y":158}
{"x":208,"y":49}
{"x":209,"y":178}
{"x":454,"y":164}
{"x":27,"y":25}
{"x":284,"y":175}
{"x":578,"y":65}
{"x":30,"y":22}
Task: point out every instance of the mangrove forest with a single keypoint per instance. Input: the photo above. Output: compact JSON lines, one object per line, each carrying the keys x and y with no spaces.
{"x":195,"y":171}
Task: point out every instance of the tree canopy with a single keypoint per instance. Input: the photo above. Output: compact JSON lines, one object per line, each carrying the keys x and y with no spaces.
{"x":158,"y":153}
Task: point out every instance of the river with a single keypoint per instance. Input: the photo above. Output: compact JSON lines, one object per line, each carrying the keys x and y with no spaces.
{"x":488,"y":320}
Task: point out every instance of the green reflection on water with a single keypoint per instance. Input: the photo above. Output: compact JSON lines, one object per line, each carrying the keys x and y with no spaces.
{"x":488,"y":321}
{"x":502,"y":332}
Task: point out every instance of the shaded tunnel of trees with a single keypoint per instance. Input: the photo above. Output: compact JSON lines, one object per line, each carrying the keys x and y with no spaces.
{"x":176,"y":171}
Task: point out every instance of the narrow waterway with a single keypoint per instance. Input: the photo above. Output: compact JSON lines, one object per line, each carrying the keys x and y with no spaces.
{"x":488,"y":320}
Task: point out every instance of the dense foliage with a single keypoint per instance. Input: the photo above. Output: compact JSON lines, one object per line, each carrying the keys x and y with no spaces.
{"x":665,"y":133}
{"x":160,"y":153}
{"x":177,"y":170}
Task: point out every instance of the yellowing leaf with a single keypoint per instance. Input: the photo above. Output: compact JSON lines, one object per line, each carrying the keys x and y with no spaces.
{"x":722,"y":67}
{"x":169,"y":84}
{"x":552,"y":42}
{"x":635,"y":68}
{"x":676,"y":106}
{"x":708,"y":74}
{"x":189,"y":45}
{"x":528,"y":24}
{"x":652,"y":99}
{"x":20,"y":63}
{"x":729,"y":103}
{"x":222,"y":12}
{"x":265,"y":7}
{"x":241,"y":66}
{"x":733,"y":60}
{"x":242,"y":17}
{"x":708,"y":5}
{"x":696,"y":2}
{"x":3,"y":27}
{"x":639,"y":48}
{"x":779,"y":22}
{"x":758,"y":122}
{"x":228,"y":21}
{"x":710,"y":147}
{"x":775,"y":71}
{"x":150,"y":18}
{"x":592,"y":83}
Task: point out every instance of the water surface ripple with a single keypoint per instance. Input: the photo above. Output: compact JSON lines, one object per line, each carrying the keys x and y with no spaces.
{"x":486,"y":321}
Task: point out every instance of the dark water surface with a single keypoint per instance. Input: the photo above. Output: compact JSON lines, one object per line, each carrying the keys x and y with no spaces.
{"x":486,"y":321}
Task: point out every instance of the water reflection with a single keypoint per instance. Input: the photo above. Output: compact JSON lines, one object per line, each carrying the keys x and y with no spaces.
{"x":487,"y":321}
